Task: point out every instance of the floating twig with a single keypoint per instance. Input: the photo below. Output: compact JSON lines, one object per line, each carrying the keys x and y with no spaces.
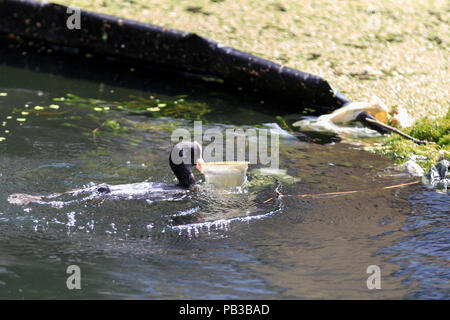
{"x":338,"y":193}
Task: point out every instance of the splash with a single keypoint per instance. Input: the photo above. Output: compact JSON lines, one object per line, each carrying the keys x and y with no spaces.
{"x":221,"y":225}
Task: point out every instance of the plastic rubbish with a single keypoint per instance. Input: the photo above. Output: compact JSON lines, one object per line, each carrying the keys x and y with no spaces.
{"x":438,"y":177}
{"x":228,"y":174}
{"x":339,"y":120}
{"x":412,"y":168}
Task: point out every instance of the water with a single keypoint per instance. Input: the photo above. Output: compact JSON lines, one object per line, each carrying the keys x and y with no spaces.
{"x":204,"y":245}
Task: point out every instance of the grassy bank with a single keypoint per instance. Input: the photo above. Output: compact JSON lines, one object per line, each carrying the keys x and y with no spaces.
{"x":396,"y":50}
{"x":434,"y":130}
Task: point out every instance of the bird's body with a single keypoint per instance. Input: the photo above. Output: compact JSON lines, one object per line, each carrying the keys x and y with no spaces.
{"x":139,"y":190}
{"x":190,"y":154}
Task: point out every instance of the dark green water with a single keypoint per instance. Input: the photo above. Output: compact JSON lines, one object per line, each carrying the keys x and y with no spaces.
{"x":204,"y":245}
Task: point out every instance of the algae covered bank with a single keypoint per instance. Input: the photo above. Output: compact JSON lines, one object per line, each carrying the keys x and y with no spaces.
{"x":157,"y":47}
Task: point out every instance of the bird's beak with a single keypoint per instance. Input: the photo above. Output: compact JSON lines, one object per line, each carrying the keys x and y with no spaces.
{"x":199,"y":165}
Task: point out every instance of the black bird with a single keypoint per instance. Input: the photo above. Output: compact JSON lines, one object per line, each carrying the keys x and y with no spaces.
{"x":184,"y":155}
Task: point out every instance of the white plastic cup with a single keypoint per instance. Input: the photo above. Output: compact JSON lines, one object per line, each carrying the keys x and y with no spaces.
{"x":229,"y":174}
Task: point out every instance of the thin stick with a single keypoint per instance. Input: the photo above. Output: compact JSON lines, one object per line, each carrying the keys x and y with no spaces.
{"x":268,"y":200}
{"x":94,"y":135}
{"x":392,"y":129}
{"x":339,"y":192}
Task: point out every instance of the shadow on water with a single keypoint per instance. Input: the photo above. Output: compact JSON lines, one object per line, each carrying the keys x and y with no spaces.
{"x":207,"y":245}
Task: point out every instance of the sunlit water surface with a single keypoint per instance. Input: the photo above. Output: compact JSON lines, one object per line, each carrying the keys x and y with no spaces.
{"x":204,"y":245}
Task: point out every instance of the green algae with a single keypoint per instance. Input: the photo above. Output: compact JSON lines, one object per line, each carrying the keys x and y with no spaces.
{"x":436,"y":131}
